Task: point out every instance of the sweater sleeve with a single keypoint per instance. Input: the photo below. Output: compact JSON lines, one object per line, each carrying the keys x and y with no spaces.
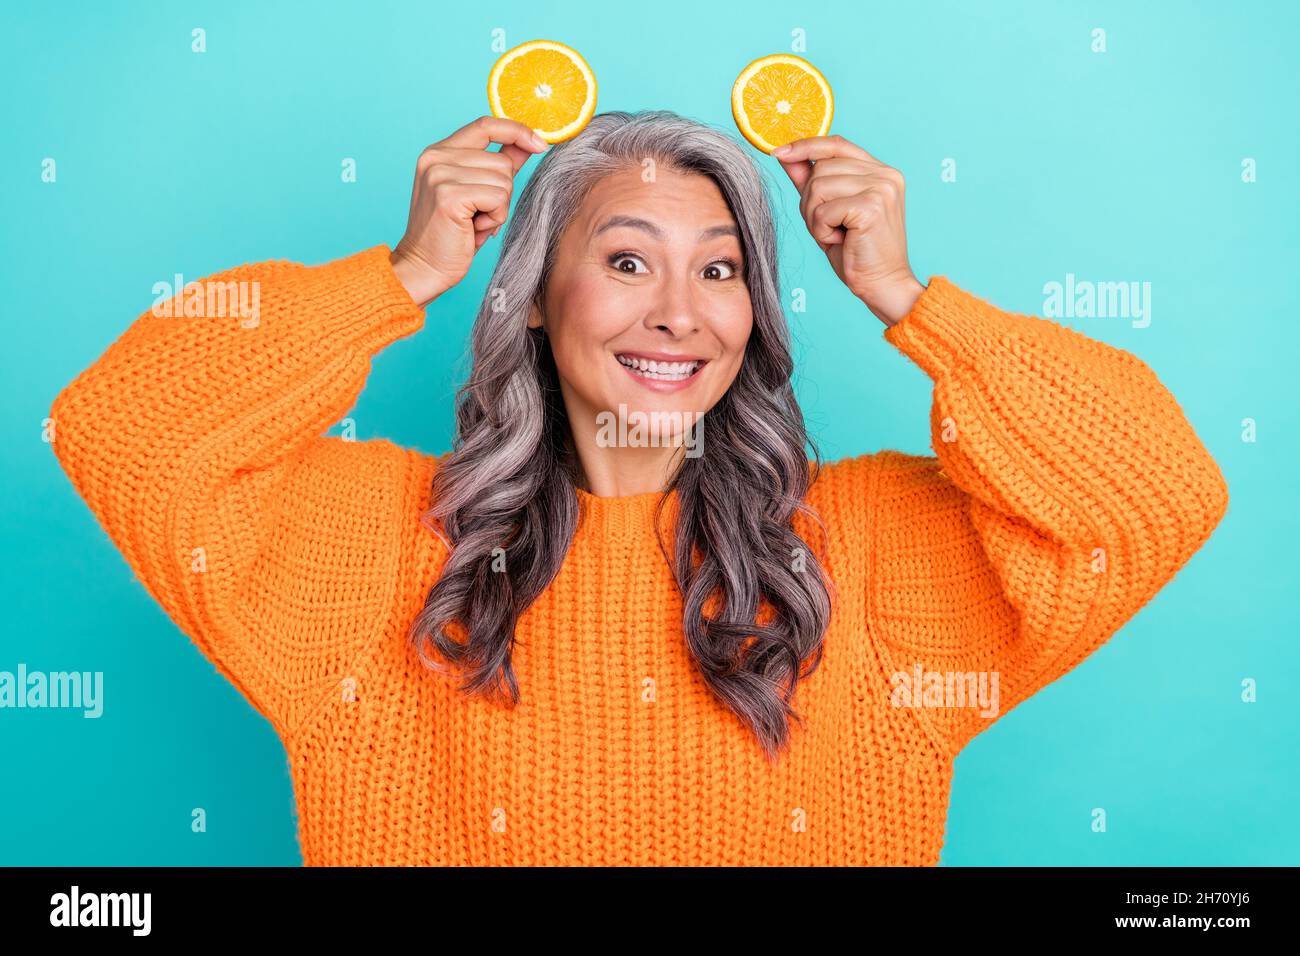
{"x":196,"y":440}
{"x":1066,"y":489}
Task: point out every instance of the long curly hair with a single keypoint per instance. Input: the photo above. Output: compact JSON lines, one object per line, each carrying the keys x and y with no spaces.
{"x":510,"y":480}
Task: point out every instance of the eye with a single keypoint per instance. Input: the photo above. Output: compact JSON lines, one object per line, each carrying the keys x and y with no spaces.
{"x":728,"y":263}
{"x":619,"y":256}
{"x":731,"y":266}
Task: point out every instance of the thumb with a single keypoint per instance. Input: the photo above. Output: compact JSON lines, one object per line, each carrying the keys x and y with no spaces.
{"x":798,"y":170}
{"x":517,"y":156}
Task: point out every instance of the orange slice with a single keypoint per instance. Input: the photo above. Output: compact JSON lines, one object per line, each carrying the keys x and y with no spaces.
{"x":545,"y":85}
{"x":780,"y":98}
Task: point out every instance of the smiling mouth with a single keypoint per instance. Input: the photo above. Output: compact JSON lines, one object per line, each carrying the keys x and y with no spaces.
{"x":658,"y":371}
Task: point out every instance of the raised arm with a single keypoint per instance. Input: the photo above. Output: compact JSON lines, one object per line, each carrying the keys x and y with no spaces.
{"x":1068,"y":487}
{"x":196,"y":439}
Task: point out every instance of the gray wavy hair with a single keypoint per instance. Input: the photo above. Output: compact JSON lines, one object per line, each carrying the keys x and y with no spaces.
{"x":510,"y":478}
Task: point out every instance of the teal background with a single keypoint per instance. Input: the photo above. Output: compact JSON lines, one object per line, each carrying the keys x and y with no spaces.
{"x":1123,"y":165}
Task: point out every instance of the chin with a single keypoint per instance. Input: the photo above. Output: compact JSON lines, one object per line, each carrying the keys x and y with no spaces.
{"x":636,"y":419}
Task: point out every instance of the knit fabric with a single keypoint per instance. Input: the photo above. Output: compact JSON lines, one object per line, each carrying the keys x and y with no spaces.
{"x":1066,"y":488}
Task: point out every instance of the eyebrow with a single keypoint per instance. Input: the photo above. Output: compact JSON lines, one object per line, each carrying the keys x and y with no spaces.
{"x":649,"y":227}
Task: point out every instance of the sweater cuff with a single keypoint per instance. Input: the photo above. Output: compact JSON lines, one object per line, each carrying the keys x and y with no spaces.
{"x":356,"y":292}
{"x":947,"y":328}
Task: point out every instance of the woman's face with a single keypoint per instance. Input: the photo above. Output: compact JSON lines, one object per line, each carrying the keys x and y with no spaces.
{"x":646,"y":305}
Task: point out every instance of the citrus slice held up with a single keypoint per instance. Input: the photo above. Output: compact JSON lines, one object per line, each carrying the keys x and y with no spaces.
{"x":780,"y":98}
{"x":545,"y":85}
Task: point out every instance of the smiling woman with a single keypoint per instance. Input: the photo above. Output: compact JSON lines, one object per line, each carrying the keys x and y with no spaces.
{"x":688,"y":344}
{"x":700,"y":653}
{"x":638,"y":272}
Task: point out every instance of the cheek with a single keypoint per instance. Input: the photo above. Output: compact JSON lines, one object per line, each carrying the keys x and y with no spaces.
{"x":586,"y":317}
{"x":734,"y":333}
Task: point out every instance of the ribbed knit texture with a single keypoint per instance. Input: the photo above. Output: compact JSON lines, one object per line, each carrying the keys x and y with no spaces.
{"x":199,"y":433}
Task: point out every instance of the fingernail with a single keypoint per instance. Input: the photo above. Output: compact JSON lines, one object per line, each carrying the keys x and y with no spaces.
{"x":540,"y":143}
{"x":781,"y":150}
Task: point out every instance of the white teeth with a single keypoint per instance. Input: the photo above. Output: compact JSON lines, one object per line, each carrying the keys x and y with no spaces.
{"x":660,"y":371}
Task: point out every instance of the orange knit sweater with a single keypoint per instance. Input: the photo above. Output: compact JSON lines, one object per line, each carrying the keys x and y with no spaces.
{"x":1068,"y":487}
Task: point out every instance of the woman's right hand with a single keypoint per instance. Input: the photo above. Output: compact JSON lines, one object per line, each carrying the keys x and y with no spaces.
{"x":460,"y":198}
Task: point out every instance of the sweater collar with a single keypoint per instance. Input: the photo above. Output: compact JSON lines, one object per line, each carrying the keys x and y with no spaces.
{"x":636,"y":513}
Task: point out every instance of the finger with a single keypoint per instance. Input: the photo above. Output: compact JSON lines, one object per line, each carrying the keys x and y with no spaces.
{"x":824,"y":188}
{"x":478,"y":203}
{"x":495,"y":216}
{"x":517,"y":156}
{"x":798,"y":171}
{"x":488,"y":218}
{"x":451,"y":174}
{"x":485,"y":221}
{"x":831,"y":221}
{"x":439,"y":155}
{"x":838,"y":165}
{"x":454,"y":178}
{"x":494,"y":129}
{"x":485,"y":229}
{"x":509,"y":159}
{"x":822,"y":147}
{"x":834,"y":237}
{"x":801,"y":170}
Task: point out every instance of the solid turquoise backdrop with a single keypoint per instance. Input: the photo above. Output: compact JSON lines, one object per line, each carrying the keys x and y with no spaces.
{"x":1123,"y":165}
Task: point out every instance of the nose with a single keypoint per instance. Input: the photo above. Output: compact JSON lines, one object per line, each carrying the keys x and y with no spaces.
{"x":676,"y":308}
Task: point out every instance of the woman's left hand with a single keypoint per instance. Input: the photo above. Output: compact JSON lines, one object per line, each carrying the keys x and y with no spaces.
{"x":853,"y":205}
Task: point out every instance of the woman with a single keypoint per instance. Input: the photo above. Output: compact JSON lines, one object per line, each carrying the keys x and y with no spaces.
{"x":699,"y":650}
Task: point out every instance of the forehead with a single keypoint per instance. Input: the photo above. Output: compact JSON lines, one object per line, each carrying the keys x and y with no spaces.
{"x":671,"y":198}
